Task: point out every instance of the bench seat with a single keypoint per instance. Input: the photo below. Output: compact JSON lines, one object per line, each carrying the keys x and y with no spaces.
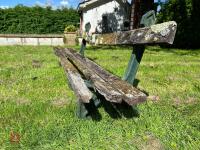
{"x":108,"y":85}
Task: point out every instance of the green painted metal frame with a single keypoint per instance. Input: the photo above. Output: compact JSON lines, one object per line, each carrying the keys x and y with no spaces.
{"x":82,"y":111}
{"x":134,"y":62}
{"x":148,"y":19}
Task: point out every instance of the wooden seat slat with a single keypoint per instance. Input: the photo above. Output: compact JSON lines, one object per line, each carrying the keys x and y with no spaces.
{"x":111,"y":87}
{"x":75,"y":79}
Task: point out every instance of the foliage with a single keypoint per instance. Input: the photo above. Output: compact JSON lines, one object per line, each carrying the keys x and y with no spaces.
{"x":70,"y":28}
{"x":36,"y":20}
{"x":186,"y":13}
{"x":36,"y":102}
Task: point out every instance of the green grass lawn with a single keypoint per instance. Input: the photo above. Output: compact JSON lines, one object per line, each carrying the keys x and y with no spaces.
{"x":37,"y":104}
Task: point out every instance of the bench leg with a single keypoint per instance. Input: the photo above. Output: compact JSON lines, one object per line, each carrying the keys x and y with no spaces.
{"x":82,"y":111}
{"x":83,"y":47}
{"x":88,"y":111}
{"x":134,"y":63}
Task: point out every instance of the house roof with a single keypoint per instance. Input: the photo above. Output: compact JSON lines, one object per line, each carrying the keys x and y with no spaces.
{"x":89,"y":4}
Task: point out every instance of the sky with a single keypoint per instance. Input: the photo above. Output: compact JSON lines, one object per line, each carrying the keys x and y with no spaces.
{"x":54,"y":3}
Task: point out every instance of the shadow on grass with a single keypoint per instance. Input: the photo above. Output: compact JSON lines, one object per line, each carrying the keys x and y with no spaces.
{"x":93,"y":111}
{"x":114,"y":110}
{"x":117,"y":111}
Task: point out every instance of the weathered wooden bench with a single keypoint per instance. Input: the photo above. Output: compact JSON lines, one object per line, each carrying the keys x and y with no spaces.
{"x":88,"y":79}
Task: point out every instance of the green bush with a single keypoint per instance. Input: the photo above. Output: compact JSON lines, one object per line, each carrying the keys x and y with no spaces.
{"x":70,"y":28}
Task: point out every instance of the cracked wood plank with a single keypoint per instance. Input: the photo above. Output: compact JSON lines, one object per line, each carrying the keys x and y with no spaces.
{"x":75,"y":79}
{"x":131,"y":94}
{"x":111,"y":94}
{"x":113,"y":87}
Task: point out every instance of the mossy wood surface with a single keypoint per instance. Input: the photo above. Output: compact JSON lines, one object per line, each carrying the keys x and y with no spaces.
{"x":111,"y":87}
{"x":159,"y":33}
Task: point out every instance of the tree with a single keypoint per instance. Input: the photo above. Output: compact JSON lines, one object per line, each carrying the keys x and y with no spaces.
{"x":186,"y":13}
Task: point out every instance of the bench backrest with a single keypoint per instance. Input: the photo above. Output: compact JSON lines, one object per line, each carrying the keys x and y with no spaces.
{"x":151,"y":34}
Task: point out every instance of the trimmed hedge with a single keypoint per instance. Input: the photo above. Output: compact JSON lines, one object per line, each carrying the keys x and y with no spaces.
{"x":36,"y":20}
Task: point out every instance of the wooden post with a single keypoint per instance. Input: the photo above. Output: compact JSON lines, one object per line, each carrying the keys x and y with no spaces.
{"x":137,"y":14}
{"x":140,"y":8}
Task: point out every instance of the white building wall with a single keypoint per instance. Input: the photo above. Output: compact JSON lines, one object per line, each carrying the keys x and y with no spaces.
{"x":94,"y":16}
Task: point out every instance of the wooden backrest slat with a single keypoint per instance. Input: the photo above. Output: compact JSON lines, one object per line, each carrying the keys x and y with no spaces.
{"x":159,"y":33}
